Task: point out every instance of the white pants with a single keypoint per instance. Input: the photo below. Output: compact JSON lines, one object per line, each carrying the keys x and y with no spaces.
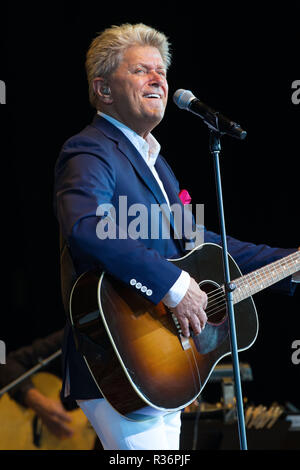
{"x":118,"y":433}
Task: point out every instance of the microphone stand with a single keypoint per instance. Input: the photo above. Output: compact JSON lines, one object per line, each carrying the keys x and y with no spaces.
{"x":215,"y":148}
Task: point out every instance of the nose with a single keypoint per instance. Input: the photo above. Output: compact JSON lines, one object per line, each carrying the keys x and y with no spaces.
{"x":158,"y":83}
{"x":156,"y":78}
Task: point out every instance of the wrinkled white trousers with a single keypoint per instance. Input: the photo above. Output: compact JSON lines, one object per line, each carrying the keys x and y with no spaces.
{"x":119,"y":433}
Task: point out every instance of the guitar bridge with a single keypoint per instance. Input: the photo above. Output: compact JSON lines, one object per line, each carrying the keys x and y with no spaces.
{"x":185,"y":343}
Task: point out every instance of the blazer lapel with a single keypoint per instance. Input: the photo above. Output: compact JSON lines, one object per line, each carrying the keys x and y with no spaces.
{"x":168,"y":183}
{"x":174,"y":198}
{"x":144,"y":172}
{"x":149,"y":179}
{"x":129,"y":150}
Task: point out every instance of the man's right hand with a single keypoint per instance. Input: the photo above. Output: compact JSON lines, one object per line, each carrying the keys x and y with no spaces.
{"x":190,"y":312}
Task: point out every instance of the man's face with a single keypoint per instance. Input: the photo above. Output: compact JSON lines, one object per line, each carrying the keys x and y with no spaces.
{"x":139,"y":89}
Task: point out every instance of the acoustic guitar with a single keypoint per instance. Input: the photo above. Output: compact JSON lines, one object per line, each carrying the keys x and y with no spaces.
{"x":21,"y":429}
{"x":134,"y":349}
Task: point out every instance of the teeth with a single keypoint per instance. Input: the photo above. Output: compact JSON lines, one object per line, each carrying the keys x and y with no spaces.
{"x":152,"y":95}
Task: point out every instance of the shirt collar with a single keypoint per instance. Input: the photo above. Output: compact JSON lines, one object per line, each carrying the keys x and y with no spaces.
{"x":149,"y":148}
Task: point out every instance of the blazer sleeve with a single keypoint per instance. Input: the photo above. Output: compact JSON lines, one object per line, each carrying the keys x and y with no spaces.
{"x":84,"y":181}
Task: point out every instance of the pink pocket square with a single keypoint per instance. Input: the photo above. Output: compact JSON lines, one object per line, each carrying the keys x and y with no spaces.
{"x":184,"y":196}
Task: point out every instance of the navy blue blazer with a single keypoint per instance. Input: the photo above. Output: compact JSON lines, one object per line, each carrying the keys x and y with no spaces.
{"x":96,"y":167}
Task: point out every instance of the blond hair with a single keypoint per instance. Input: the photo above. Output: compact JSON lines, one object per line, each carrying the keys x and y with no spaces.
{"x":106,"y":50}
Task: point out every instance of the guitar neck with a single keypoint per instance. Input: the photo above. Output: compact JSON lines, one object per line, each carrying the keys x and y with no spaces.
{"x":264,"y":277}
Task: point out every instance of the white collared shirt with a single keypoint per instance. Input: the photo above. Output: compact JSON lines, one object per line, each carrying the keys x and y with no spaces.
{"x":149,"y":149}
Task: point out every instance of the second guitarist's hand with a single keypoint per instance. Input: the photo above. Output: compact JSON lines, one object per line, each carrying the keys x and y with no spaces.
{"x":190,"y":312}
{"x":51,"y":412}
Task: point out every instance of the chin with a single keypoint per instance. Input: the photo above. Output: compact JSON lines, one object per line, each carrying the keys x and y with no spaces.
{"x":156,"y":117}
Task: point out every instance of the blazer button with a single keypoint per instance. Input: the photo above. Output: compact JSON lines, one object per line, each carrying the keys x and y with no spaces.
{"x":143,"y":289}
{"x":138,"y":285}
{"x":133,"y":282}
{"x":148,"y":292}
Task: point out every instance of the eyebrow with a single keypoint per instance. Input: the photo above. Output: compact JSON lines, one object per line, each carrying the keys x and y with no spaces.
{"x":147,"y":66}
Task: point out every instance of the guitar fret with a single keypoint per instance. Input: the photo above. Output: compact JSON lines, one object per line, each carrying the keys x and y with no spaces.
{"x":264,"y":277}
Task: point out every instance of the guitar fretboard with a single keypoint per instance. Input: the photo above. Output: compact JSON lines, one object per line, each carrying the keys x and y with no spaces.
{"x":264,"y":277}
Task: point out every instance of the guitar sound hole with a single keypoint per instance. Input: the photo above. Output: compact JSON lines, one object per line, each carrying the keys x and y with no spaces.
{"x":216,"y":310}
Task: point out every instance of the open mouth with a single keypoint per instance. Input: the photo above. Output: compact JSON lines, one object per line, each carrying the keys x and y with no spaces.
{"x":152,"y":96}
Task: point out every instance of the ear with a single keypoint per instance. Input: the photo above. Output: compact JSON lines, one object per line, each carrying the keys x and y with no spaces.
{"x":102,"y":90}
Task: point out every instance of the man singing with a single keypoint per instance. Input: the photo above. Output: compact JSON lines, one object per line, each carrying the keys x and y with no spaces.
{"x":117,"y":155}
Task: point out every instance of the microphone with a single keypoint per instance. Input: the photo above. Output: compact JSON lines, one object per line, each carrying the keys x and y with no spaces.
{"x":215,"y":121}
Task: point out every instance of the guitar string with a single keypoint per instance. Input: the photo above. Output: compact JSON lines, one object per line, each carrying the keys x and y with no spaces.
{"x":251,"y":277}
{"x":248,"y":277}
{"x":214,"y":306}
{"x":219,"y":295}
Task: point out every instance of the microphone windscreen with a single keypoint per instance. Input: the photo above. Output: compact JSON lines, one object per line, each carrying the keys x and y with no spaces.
{"x":183,"y":98}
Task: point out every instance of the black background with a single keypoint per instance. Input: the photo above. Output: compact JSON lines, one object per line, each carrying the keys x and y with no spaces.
{"x":241,"y":62}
